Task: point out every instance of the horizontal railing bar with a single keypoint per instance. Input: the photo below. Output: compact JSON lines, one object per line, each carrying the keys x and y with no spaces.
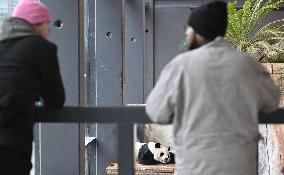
{"x":125,"y":117}
{"x":128,"y":114}
{"x":275,"y":117}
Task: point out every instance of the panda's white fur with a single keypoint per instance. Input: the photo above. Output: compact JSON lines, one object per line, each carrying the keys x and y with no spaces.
{"x":153,"y":153}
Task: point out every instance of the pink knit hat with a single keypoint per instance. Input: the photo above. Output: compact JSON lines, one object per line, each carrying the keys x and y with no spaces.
{"x":32,"y":11}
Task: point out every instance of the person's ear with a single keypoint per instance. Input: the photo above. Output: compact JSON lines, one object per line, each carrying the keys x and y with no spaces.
{"x":199,"y":39}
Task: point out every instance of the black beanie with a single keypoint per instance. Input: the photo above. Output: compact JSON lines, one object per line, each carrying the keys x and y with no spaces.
{"x":209,"y":20}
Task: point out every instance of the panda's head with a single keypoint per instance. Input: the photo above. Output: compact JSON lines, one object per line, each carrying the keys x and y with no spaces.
{"x":154,"y":153}
{"x":161,"y":153}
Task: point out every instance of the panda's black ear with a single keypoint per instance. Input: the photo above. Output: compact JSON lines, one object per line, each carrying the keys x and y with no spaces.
{"x":157,"y":145}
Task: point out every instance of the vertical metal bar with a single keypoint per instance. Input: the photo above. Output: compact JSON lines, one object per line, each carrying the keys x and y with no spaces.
{"x":57,"y":141}
{"x":37,"y":148}
{"x":134,"y":51}
{"x":149,"y":48}
{"x":105,"y":72}
{"x":82,"y":86}
{"x":170,"y":22}
{"x":90,"y":44}
{"x":134,"y":55}
{"x":82,"y":151}
{"x":257,"y":158}
{"x":125,"y":149}
{"x":81,"y":46}
{"x":149,"y":58}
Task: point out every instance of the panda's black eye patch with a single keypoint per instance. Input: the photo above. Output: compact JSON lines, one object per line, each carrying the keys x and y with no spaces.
{"x":161,"y":154}
{"x":169,"y":149}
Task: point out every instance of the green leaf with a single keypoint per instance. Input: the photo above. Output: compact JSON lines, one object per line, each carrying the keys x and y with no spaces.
{"x":266,"y":43}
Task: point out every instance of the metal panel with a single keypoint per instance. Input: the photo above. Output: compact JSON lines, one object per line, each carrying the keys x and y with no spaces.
{"x":134,"y":51}
{"x":134,"y":55}
{"x":148,"y":47}
{"x":170,"y":23}
{"x":148,"y":59}
{"x":58,"y":144}
{"x":90,"y":43}
{"x":169,"y":26}
{"x":104,"y":83}
{"x":82,"y":86}
{"x":170,"y":18}
{"x":108,"y":54}
{"x":125,"y":149}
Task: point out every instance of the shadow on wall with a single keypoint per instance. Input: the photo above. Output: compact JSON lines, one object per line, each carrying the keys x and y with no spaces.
{"x":159,"y":133}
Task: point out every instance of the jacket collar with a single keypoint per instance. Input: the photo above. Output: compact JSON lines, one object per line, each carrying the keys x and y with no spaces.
{"x":15,"y":28}
{"x":218,"y":41}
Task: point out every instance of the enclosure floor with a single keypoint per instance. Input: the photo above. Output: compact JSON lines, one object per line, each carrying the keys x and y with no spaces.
{"x":161,"y":169}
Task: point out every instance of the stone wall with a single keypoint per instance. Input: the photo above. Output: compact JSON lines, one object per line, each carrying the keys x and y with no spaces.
{"x":271,"y":147}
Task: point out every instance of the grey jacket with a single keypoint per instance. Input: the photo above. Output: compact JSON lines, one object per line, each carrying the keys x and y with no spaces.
{"x":213,"y":96}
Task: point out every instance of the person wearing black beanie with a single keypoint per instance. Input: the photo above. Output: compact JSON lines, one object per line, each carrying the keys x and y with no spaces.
{"x":212,"y":94}
{"x":206,"y":22}
{"x":209,"y":20}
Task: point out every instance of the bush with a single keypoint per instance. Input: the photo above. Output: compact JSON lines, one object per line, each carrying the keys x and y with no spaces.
{"x":266,"y":43}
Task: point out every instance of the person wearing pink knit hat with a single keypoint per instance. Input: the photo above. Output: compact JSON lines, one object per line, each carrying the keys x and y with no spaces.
{"x":29,"y":71}
{"x":35,"y":13}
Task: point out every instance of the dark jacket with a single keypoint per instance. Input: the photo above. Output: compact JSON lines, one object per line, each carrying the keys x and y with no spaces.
{"x":28,"y":70}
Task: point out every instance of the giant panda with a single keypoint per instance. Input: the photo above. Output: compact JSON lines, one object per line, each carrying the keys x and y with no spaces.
{"x":152,"y":153}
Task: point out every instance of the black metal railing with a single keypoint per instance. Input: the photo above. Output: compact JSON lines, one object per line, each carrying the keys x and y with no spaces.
{"x":125,"y":117}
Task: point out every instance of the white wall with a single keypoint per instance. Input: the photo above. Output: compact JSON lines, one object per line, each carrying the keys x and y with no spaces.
{"x":4,"y":4}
